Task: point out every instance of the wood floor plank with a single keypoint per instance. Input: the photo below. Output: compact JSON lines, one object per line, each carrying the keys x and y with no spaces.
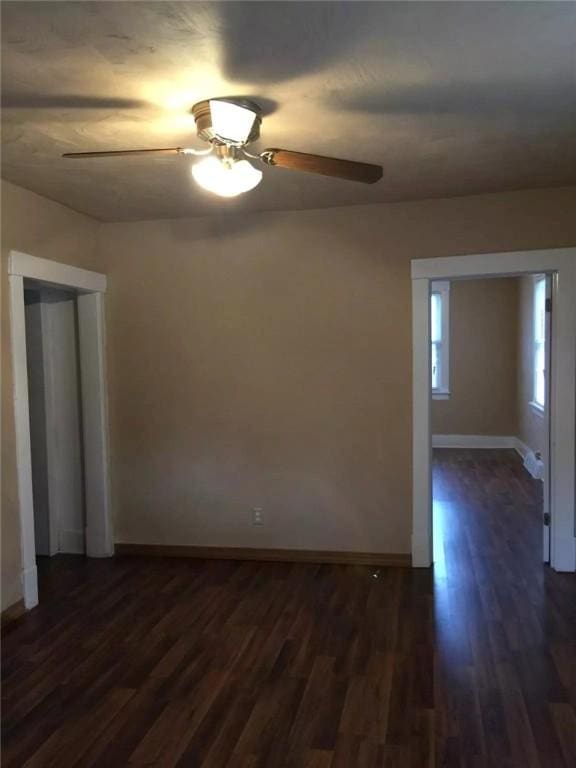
{"x":206,"y":664}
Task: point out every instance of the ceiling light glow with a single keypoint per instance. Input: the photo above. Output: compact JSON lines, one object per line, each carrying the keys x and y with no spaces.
{"x":226,"y":178}
{"x":231,"y":122}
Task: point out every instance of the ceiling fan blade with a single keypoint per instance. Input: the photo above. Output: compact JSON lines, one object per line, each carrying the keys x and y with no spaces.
{"x":34,"y":100}
{"x":327,"y":166}
{"x":129,"y":152}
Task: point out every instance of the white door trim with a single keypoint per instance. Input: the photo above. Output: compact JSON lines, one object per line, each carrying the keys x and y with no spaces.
{"x":22,"y":430}
{"x":92,"y":346}
{"x":91,"y":286}
{"x":531,"y":463}
{"x":55,"y":273}
{"x":562,"y":262}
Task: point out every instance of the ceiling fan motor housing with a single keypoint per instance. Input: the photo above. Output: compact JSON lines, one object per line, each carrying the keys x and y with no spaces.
{"x":204,"y":127}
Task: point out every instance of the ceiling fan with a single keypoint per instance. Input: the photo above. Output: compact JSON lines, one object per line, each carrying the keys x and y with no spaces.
{"x":229,"y":125}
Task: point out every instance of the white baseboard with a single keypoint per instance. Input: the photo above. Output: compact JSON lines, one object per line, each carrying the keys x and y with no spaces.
{"x":533,"y":464}
{"x":72,"y":542}
{"x":473,"y":441}
{"x":521,"y":448}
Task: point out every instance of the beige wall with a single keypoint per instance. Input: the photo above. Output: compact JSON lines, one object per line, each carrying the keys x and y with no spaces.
{"x":265,"y":360}
{"x":483,"y":360}
{"x":530,"y":423}
{"x":252,"y":365}
{"x":32,"y":224}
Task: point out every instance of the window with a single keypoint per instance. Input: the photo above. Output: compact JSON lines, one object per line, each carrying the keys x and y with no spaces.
{"x":539,"y":359}
{"x":439,"y":334}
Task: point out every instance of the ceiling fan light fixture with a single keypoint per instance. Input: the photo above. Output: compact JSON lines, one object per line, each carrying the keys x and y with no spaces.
{"x":228,"y":125}
{"x":226,"y":178}
{"x":231,"y":122}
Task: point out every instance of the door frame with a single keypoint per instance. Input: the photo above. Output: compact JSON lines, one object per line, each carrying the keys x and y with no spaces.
{"x":561,"y":263}
{"x":547,"y":452}
{"x":90,"y":288}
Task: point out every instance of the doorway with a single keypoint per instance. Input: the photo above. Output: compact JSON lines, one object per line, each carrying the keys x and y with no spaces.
{"x":561,"y":265}
{"x":78,"y":491}
{"x":489,"y":420}
{"x":56,"y":445}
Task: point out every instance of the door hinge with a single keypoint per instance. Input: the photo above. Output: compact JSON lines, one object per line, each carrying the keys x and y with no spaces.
{"x":546,"y":517}
{"x":548,"y":306}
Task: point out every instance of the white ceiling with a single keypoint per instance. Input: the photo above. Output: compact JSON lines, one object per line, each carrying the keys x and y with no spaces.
{"x":451,"y":98}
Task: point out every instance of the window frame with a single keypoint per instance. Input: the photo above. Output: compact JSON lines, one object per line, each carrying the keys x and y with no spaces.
{"x":442,"y":288}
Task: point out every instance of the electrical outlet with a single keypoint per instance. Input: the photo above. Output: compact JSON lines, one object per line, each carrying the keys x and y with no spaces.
{"x":257,"y":518}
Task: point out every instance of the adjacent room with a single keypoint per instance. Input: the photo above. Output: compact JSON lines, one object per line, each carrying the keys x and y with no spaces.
{"x":490,"y":344}
{"x":288,"y":397}
{"x":55,"y":420}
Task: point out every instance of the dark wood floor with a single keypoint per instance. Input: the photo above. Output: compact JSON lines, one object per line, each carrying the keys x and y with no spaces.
{"x":209,"y":664}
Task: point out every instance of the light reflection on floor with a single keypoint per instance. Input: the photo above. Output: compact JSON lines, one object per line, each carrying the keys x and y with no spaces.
{"x":452,"y":574}
{"x":485,"y":517}
{"x":438,"y":553}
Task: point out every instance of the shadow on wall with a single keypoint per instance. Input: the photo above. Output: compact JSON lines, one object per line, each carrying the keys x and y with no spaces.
{"x":212,"y":228}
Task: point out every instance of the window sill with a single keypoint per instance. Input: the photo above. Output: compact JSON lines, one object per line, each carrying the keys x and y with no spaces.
{"x":537,"y":408}
{"x":440,"y":394}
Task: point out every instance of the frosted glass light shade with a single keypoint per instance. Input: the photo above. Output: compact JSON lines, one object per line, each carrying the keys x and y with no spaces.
{"x":231,"y":122}
{"x":226,"y":179}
